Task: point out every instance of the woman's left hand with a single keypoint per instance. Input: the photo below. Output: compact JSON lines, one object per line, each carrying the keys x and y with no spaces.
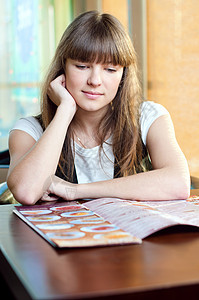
{"x":56,"y":188}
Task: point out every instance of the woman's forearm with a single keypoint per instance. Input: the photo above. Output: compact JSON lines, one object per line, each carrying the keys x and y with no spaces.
{"x":162,"y":184}
{"x":27,"y":178}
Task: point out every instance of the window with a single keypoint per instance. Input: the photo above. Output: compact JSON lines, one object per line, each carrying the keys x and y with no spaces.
{"x":29,"y":30}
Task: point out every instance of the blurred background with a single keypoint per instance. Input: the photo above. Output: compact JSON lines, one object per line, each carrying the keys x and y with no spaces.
{"x":165,"y":34}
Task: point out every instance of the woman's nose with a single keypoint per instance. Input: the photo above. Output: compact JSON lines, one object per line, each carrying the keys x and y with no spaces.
{"x":95,"y":78}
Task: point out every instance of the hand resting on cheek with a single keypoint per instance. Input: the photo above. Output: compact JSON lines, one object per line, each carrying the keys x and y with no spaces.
{"x":59,"y":95}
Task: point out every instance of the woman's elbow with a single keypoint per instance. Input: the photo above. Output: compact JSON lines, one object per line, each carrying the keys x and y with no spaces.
{"x":182,"y":188}
{"x":25,"y":198}
{"x":184,"y":193}
{"x":22,"y":193}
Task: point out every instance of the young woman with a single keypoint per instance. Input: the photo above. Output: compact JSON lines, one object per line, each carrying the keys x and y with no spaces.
{"x":96,"y":137}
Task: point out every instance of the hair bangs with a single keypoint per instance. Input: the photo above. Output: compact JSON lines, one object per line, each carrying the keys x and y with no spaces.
{"x":99,"y":46}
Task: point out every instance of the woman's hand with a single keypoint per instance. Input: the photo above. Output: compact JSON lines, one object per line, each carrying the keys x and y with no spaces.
{"x":58,"y":93}
{"x":56,"y":187}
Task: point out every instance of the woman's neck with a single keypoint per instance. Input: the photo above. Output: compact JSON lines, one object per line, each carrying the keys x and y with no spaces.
{"x":86,"y":128}
{"x":87,"y":121}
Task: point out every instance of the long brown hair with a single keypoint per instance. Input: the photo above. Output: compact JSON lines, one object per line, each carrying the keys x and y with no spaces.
{"x":95,"y":37}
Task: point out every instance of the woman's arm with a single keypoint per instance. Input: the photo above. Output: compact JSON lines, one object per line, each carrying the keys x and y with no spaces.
{"x":170,"y":178}
{"x":33,"y":162}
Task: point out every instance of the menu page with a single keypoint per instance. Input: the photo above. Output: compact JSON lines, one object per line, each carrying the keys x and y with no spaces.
{"x":186,"y":210}
{"x":142,"y":218}
{"x":71,"y":224}
{"x":106,"y":221}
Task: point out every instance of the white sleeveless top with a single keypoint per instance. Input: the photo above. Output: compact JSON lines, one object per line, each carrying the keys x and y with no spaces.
{"x":90,"y":167}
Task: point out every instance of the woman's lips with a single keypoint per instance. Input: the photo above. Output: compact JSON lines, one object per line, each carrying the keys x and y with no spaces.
{"x":92,"y":95}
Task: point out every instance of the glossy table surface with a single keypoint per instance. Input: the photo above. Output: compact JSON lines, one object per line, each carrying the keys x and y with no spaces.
{"x":164,"y":265}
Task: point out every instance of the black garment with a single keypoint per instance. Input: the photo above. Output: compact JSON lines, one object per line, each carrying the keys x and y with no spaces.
{"x":4,"y":158}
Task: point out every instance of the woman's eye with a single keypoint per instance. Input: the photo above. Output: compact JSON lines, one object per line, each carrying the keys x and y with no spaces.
{"x":81,"y":67}
{"x":111,"y":70}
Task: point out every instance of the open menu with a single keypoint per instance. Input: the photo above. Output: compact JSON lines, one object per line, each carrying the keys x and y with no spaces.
{"x":106,"y":221}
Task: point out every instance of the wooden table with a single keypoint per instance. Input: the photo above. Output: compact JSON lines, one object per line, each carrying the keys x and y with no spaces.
{"x":164,"y":266}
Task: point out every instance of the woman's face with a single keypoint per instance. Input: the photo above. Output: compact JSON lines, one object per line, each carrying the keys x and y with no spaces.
{"x":92,"y":85}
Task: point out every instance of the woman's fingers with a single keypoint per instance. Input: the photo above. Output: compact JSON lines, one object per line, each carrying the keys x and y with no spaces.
{"x":49,"y":197}
{"x":57,"y":91}
{"x":57,"y":187}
